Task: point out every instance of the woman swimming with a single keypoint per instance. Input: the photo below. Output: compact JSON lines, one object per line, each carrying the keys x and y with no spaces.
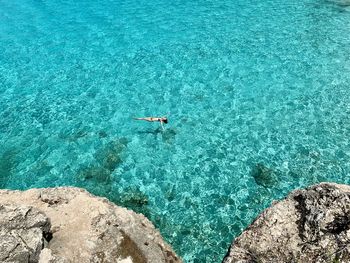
{"x":154,"y":119}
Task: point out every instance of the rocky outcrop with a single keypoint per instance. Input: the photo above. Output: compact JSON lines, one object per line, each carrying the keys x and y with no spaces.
{"x":310,"y":225}
{"x":61,"y":225}
{"x":22,"y":232}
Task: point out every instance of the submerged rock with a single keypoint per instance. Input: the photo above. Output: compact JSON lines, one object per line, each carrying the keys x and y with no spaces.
{"x":310,"y":225}
{"x":168,"y":135}
{"x":83,"y":228}
{"x":263,"y":175}
{"x":341,"y":3}
{"x":95,"y":174}
{"x":100,"y":173}
{"x":133,"y":197}
{"x":8,"y":163}
{"x":109,"y":156}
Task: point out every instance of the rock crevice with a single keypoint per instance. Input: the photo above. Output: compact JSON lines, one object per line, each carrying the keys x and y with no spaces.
{"x":22,"y":233}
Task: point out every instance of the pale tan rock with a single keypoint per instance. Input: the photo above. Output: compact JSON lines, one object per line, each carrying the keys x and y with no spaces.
{"x":311,"y":225}
{"x":86,"y":228}
{"x":47,"y":257}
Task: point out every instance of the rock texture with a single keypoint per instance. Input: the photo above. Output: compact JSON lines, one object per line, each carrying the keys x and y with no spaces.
{"x":22,"y":232}
{"x":61,"y":225}
{"x":310,"y":225}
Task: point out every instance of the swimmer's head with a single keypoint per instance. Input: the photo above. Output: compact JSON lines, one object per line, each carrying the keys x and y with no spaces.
{"x":165,"y":120}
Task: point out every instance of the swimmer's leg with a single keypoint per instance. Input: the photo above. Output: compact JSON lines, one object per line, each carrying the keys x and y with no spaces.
{"x":144,"y":119}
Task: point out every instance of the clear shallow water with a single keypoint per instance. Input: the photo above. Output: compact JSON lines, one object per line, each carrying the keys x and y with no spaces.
{"x":257,"y":95}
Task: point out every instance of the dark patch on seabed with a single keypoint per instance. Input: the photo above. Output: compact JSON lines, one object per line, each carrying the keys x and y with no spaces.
{"x":133,"y":197}
{"x":98,"y":176}
{"x":338,"y":6}
{"x":263,"y":175}
{"x":94,"y":173}
{"x":8,"y":163}
{"x":339,"y":3}
{"x":167,"y":135}
{"x":107,"y":159}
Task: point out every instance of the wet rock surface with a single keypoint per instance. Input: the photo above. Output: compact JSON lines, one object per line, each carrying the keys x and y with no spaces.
{"x":61,"y":225}
{"x":310,"y":225}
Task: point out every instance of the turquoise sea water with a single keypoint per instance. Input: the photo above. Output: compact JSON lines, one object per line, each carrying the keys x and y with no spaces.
{"x":257,"y":94}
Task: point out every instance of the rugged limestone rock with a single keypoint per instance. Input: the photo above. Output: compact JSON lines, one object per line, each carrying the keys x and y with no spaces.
{"x":84,"y":228}
{"x":310,"y":225}
{"x":22,"y":231}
